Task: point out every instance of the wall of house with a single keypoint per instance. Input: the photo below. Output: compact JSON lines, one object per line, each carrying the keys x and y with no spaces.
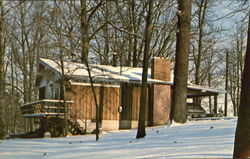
{"x":161,"y":97}
{"x":161,"y":104}
{"x":46,"y":82}
{"x":108,"y":99}
{"x":136,"y":94}
{"x":111,"y":97}
{"x":130,"y":102}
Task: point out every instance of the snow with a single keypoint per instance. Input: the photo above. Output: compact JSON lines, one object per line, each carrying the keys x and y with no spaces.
{"x":195,"y":139}
{"x":104,"y":72}
{"x":122,"y":74}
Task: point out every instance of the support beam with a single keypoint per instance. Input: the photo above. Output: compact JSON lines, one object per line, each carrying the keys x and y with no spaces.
{"x":215,"y":104}
{"x":194,"y":101}
{"x":226,"y":84}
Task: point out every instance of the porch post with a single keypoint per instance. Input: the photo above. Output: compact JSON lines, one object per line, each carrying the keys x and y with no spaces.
{"x":215,"y":104}
{"x":194,"y":101}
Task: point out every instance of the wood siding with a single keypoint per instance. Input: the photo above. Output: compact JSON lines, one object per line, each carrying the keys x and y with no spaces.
{"x":136,"y":94}
{"x":108,"y":99}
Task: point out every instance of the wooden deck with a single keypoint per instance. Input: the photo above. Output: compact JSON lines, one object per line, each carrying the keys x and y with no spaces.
{"x":44,"y":108}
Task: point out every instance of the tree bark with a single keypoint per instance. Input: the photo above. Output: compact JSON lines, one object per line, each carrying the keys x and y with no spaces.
{"x":84,"y":52}
{"x":179,"y":111}
{"x":242,"y":136}
{"x":65,"y":106}
{"x":106,"y":35}
{"x":202,"y":14}
{"x":84,"y":30}
{"x":141,"y":133}
{"x":2,"y":125}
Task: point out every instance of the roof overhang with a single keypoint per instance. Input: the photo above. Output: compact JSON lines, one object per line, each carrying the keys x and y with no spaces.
{"x":108,"y":80}
{"x":100,"y":73}
{"x":77,"y":72}
{"x":201,"y":91}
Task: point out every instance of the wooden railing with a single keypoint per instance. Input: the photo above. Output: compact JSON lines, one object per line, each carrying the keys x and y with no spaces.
{"x":75,"y":116}
{"x":45,"y":107}
{"x":55,"y":108}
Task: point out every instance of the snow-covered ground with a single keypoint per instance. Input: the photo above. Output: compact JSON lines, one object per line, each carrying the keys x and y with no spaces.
{"x":195,"y":139}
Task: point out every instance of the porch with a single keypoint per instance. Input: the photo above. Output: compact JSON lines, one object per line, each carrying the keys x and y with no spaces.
{"x":44,"y":108}
{"x":196,"y":92}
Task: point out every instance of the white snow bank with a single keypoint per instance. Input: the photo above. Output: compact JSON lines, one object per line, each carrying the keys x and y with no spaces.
{"x":195,"y":139}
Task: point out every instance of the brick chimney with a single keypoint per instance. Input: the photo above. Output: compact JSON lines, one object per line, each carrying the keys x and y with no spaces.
{"x":161,"y":68}
{"x":115,"y":56}
{"x":161,"y":93}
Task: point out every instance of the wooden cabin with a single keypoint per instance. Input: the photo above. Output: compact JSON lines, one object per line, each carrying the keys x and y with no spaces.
{"x":117,"y":92}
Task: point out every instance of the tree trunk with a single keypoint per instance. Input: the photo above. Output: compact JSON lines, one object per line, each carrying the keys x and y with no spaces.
{"x":97,"y":131}
{"x":1,"y":49}
{"x":202,"y":14}
{"x":148,"y":33}
{"x":84,"y":53}
{"x":201,"y":17}
{"x":106,"y":36}
{"x":84,"y":30}
{"x":242,"y":136}
{"x":237,"y":81}
{"x":179,"y":110}
{"x":65,"y":106}
{"x":135,"y":29}
{"x":2,"y":125}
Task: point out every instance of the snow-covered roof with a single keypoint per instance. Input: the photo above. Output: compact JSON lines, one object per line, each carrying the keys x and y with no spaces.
{"x":101,"y":72}
{"x":118,"y":74}
{"x":205,"y":89}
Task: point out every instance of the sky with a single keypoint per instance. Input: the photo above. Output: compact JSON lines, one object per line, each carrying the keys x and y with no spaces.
{"x":233,"y":12}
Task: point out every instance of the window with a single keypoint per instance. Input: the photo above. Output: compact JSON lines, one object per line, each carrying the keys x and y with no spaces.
{"x":41,"y":93}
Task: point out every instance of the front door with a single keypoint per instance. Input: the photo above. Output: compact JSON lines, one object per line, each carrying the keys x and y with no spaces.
{"x":126,"y":104}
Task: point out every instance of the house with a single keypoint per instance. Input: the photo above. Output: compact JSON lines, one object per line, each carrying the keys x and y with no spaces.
{"x":118,"y":95}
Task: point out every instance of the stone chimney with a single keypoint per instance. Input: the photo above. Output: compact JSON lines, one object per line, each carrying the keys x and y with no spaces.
{"x":161,"y":68}
{"x":161,"y":93}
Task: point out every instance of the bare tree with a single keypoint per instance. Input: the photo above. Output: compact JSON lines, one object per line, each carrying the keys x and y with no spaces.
{"x":179,"y":110}
{"x":2,"y":123}
{"x":86,"y":17}
{"x":242,"y":136}
{"x":236,"y":68}
{"x":202,"y":9}
{"x":148,"y":33}
{"x":85,"y":22}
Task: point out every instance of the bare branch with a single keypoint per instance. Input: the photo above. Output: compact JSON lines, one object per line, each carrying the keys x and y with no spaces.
{"x":122,"y":30}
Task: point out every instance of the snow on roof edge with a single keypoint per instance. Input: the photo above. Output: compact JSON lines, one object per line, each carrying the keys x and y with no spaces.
{"x":116,"y":76}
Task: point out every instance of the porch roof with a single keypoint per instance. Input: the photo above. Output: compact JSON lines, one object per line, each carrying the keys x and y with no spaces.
{"x":199,"y":91}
